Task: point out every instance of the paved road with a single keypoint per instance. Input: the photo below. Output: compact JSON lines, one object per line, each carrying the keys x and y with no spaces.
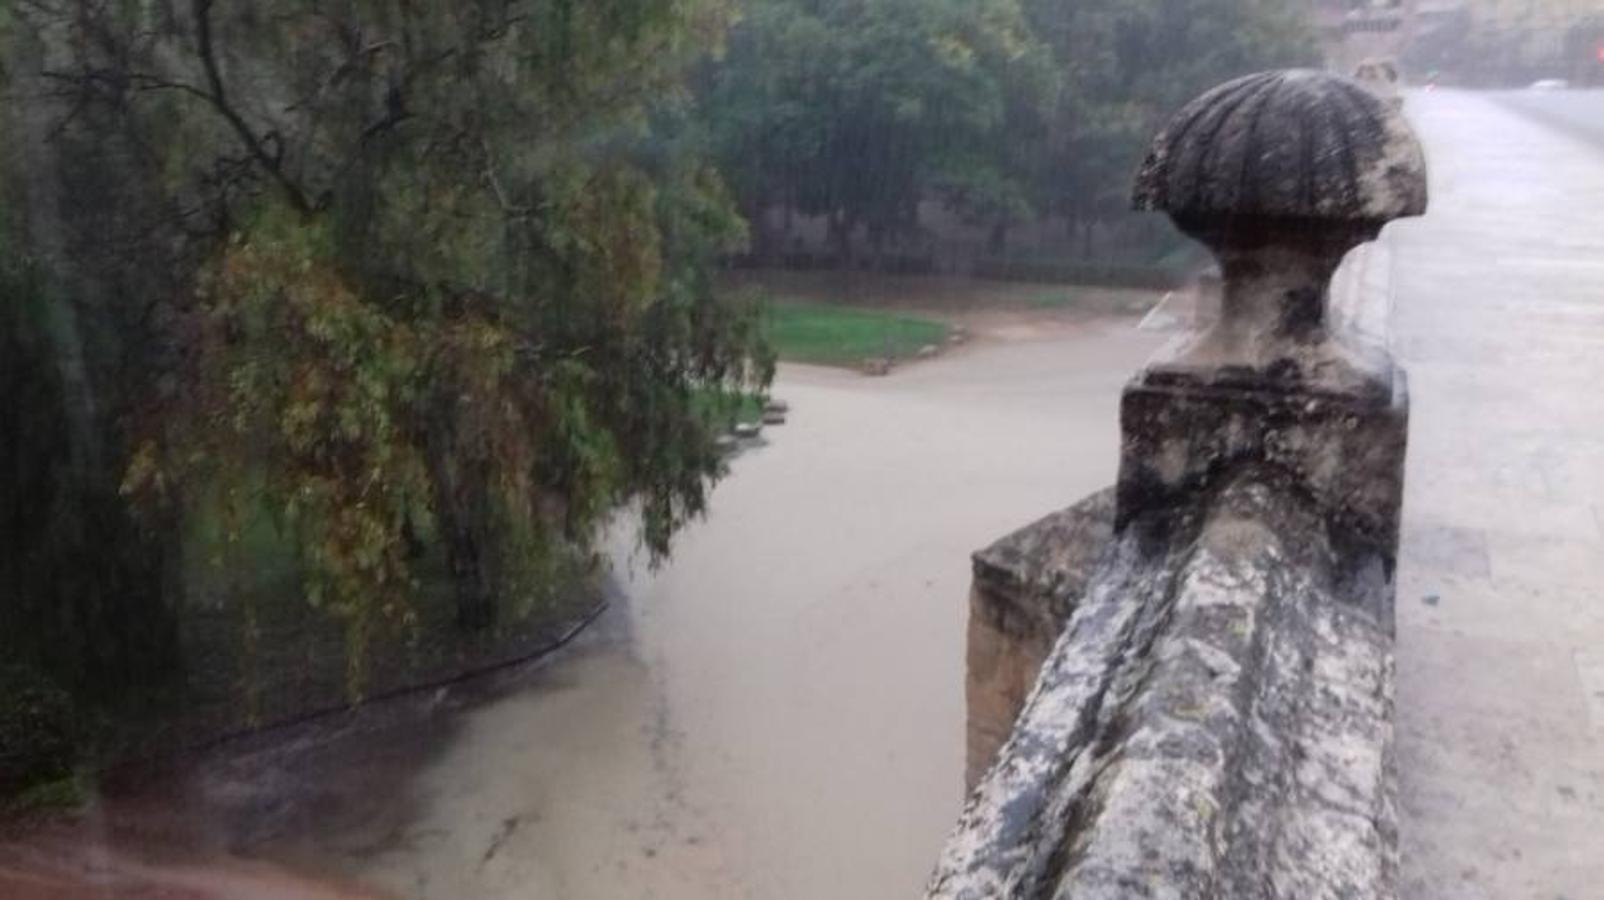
{"x":1499,"y":317}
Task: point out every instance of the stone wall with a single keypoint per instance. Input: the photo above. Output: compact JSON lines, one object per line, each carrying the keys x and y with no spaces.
{"x":1183,"y":688}
{"x":1025,"y":587}
{"x":1215,"y":721}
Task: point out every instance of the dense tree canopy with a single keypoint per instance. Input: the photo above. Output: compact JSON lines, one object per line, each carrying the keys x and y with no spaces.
{"x":858,"y":110}
{"x":426,"y":276}
{"x":1130,"y":64}
{"x":430,"y":286}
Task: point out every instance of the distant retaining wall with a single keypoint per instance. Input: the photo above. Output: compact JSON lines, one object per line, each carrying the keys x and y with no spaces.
{"x":1131,"y":276}
{"x":1117,"y":275}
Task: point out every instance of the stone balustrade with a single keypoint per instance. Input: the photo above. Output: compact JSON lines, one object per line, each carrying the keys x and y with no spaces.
{"x":1182,"y":688}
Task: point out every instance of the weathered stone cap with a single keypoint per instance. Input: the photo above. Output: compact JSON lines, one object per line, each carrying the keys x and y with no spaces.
{"x":1297,"y":143}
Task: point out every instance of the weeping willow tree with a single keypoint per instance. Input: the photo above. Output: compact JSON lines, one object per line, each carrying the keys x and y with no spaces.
{"x":418,"y":279}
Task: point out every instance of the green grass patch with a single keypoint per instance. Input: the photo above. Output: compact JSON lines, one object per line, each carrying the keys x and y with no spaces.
{"x":843,"y":335}
{"x":725,"y":409}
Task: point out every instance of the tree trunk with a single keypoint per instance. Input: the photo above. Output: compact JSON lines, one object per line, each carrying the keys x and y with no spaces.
{"x":470,"y":572}
{"x":462,"y":511}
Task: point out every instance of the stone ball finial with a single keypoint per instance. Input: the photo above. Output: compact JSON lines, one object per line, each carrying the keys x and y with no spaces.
{"x":1293,"y":144}
{"x":1281,"y":174}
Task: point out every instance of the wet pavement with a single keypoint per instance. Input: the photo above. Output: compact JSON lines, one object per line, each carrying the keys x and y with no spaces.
{"x":1498,"y":313}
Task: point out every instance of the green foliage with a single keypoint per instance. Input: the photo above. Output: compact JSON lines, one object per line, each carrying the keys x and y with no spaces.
{"x":432,"y":283}
{"x":444,"y":283}
{"x":841,"y":335}
{"x":723,"y":409}
{"x":1130,"y":64}
{"x":300,"y":380}
{"x":856,"y":110}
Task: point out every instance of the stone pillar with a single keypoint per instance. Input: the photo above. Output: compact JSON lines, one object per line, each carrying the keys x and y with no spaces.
{"x":1280,"y":175}
{"x":1215,"y":717}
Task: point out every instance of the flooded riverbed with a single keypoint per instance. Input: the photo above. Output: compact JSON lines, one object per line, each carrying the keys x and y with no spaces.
{"x":777,"y":713}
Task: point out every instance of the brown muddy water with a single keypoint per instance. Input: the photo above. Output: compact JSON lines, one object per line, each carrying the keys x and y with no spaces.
{"x":777,"y":713}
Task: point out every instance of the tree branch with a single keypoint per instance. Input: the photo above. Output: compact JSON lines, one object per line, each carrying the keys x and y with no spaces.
{"x":256,"y":146}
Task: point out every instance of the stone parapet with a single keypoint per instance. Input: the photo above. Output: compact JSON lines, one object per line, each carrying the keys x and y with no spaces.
{"x":1214,"y":721}
{"x":1025,"y":587}
{"x":1180,"y":439}
{"x":1208,"y":654}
